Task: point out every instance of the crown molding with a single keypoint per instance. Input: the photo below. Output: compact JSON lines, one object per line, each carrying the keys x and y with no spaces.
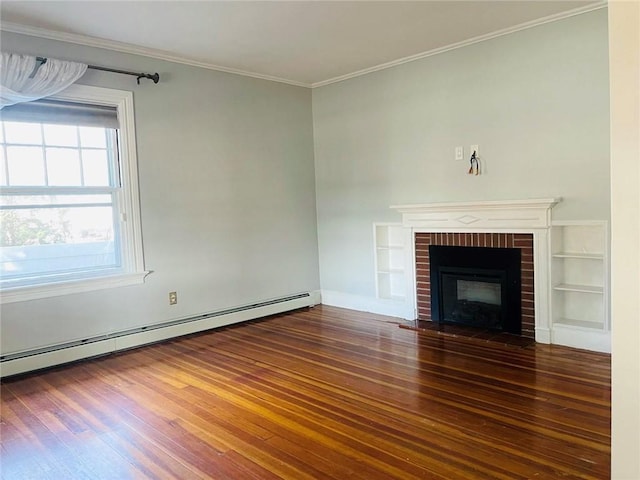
{"x":96,"y":42}
{"x":498,"y":33}
{"x":163,"y":55}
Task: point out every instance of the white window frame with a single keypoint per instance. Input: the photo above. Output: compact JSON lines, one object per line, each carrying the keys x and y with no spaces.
{"x":133,"y":271}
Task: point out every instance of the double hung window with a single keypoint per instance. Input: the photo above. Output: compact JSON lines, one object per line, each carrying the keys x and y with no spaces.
{"x":68,"y":195}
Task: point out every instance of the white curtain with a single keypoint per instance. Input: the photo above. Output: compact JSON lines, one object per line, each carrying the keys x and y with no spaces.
{"x":19,"y":83}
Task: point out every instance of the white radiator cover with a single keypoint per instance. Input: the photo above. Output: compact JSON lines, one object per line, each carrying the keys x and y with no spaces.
{"x":59,"y":354}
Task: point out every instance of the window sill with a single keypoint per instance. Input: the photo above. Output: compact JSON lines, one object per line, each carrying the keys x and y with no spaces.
{"x":35,"y":292}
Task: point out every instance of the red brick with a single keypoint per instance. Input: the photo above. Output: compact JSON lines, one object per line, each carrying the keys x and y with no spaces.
{"x":522,"y":241}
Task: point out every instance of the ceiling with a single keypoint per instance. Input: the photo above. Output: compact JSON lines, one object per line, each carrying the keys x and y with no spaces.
{"x":307,"y":43}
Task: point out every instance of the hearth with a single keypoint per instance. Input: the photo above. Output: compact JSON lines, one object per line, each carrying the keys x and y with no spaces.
{"x":477,"y":287}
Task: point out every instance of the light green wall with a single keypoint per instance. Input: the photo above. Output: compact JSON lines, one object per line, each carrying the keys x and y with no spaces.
{"x":535,"y":101}
{"x":226,"y":167}
{"x":227,"y":198}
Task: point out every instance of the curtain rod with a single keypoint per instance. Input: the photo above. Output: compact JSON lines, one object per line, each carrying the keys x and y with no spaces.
{"x":155,"y":76}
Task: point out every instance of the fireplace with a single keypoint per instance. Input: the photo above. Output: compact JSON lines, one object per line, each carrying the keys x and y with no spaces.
{"x":483,"y":253}
{"x":520,"y":224}
{"x":476,"y":287}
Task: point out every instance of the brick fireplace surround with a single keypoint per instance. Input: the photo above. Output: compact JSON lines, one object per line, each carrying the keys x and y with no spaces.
{"x":523,"y":224}
{"x":523,"y":241}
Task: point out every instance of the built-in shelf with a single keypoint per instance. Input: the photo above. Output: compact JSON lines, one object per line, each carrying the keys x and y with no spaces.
{"x":571,"y":322}
{"x":586,"y":256}
{"x":397,"y":298}
{"x":391,"y":270}
{"x":580,"y":283}
{"x":390,"y":253}
{"x":579,"y":288}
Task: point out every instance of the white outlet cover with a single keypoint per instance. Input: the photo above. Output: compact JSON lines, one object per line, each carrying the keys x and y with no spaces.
{"x":459,"y":153}
{"x":474,"y":148}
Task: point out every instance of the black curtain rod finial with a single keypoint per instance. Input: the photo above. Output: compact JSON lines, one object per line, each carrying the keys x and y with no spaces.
{"x":155,"y":77}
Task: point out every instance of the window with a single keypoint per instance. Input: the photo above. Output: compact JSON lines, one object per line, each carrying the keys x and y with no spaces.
{"x":68,"y":195}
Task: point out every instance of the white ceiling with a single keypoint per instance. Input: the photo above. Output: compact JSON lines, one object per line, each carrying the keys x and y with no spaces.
{"x":307,"y":43}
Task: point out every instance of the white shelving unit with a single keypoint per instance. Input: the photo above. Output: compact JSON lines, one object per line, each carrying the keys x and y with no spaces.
{"x":390,"y":260}
{"x":580,"y":284}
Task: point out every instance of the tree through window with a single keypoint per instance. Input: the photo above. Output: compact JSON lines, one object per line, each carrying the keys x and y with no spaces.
{"x":68,"y":195}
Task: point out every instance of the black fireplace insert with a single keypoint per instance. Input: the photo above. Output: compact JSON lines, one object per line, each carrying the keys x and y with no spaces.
{"x":476,"y":287}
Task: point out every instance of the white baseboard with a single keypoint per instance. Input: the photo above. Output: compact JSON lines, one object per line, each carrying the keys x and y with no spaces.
{"x":368,"y":304}
{"x":116,"y":342}
{"x":543,"y":335}
{"x":584,"y":338}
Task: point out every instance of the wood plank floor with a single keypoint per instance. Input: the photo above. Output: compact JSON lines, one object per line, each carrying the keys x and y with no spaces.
{"x":323,"y":393}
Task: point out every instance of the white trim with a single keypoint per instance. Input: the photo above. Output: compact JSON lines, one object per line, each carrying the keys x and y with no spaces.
{"x":464,"y":43}
{"x":315,"y":298}
{"x":35,"y":292}
{"x":543,"y":335}
{"x":585,"y":338}
{"x":472,"y":216}
{"x":477,"y":205}
{"x":368,"y":304}
{"x":488,"y":216}
{"x":410,"y":269}
{"x":541,"y":284}
{"x":126,"y":341}
{"x":497,"y":216}
{"x":132,"y":235}
{"x":606,"y":261}
{"x":128,"y":199}
{"x":135,"y":50}
{"x":162,"y":55}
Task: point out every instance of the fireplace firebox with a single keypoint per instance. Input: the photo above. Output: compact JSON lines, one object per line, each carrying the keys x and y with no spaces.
{"x":476,"y":286}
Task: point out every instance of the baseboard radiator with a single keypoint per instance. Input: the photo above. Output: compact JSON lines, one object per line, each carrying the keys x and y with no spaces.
{"x":13,"y":364}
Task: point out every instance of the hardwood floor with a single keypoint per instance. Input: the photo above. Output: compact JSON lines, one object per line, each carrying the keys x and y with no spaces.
{"x":323,"y":393}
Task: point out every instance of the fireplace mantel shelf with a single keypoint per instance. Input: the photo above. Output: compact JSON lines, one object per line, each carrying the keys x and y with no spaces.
{"x":495,"y":215}
{"x":477,"y":205}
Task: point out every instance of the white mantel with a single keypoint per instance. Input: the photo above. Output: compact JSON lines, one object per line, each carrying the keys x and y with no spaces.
{"x":503,"y":216}
{"x":488,"y":216}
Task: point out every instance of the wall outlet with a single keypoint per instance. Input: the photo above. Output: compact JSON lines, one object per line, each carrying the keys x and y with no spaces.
{"x":474,"y":148}
{"x":173,"y":298}
{"x":459,"y":153}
